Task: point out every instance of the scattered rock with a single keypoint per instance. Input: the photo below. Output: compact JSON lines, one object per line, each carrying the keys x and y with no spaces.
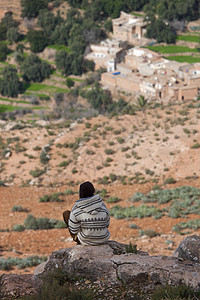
{"x":13,"y":285}
{"x":189,"y":249}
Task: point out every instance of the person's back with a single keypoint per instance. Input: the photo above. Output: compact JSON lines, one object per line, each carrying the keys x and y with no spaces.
{"x":89,"y":219}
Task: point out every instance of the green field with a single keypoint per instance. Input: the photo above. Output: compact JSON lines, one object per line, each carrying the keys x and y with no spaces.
{"x":14,"y":101}
{"x":172,"y":49}
{"x":9,"y":108}
{"x":189,"y":38}
{"x":185,"y":58}
{"x":38,"y":87}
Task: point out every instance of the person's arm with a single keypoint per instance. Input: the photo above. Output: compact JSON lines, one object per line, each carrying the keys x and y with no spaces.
{"x":73,"y":224}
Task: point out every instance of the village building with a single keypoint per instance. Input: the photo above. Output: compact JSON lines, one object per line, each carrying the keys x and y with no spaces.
{"x":146,"y":72}
{"x":107,"y":54}
{"x":129,"y":28}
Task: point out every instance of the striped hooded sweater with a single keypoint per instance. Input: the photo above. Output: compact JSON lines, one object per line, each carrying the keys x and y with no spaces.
{"x":89,"y":219}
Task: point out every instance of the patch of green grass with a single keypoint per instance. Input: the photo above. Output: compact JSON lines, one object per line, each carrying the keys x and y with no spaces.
{"x":172,"y":49}
{"x":188,"y":38}
{"x":185,"y":58}
{"x":4,"y":108}
{"x":51,"y":198}
{"x":60,"y":48}
{"x":141,"y":211}
{"x":36,"y":87}
{"x":191,"y":224}
{"x":21,"y":263}
{"x":137,"y":14}
{"x":14,"y":101}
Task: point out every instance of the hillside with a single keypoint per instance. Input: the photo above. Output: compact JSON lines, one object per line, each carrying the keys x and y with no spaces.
{"x":148,"y":150}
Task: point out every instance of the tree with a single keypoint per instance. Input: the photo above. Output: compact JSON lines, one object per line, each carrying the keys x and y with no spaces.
{"x":13,"y":34}
{"x":69,"y":82}
{"x":48,"y":21}
{"x":34,"y":69}
{"x":3,"y":31}
{"x":30,"y":8}
{"x":99,"y":99}
{"x":37,"y":40}
{"x":9,"y":83}
{"x":4,"y":50}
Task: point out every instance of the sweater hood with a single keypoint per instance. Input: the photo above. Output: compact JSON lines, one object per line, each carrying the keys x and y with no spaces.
{"x":90,"y":205}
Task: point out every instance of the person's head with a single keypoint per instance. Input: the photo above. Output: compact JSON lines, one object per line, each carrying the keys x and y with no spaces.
{"x":86,"y":190}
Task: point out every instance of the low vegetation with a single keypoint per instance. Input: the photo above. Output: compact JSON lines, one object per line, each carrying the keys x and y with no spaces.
{"x":21,"y":263}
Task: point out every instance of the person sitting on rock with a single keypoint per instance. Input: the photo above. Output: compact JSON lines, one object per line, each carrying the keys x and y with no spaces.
{"x":89,"y":219}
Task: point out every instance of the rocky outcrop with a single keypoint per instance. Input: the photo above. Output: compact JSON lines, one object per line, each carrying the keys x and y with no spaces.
{"x":189,"y":249}
{"x":112,"y":264}
{"x":104,"y":262}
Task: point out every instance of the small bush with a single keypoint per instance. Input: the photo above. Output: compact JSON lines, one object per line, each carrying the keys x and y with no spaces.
{"x":18,"y":228}
{"x":65,"y":163}
{"x":175,"y":292}
{"x":109,"y":151}
{"x":113,"y":177}
{"x":170,"y":180}
{"x":19,"y":209}
{"x":69,"y":192}
{"x":44,"y":158}
{"x":195,"y":146}
{"x":113,"y":199}
{"x":51,"y":198}
{"x":149,"y":232}
{"x":131,"y":248}
{"x":42,"y":223}
{"x":37,"y":148}
{"x":37,"y":172}
{"x":133,"y":226}
{"x":21,"y":263}
{"x":120,"y":140}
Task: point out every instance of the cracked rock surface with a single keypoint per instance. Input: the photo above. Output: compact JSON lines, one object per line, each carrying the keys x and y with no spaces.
{"x":110,"y":262}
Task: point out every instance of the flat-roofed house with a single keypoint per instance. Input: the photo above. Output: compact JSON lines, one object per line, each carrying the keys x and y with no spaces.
{"x":106,"y":54}
{"x":129,"y":28}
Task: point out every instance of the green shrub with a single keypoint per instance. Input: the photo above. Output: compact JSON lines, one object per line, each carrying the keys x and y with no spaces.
{"x":120,"y":140}
{"x":133,"y":226}
{"x":103,"y":193}
{"x":19,"y":209}
{"x":58,"y":285}
{"x":191,"y":224}
{"x":131,"y":248}
{"x":170,"y":180}
{"x":42,"y":223}
{"x":149,"y":172}
{"x":37,"y":148}
{"x":51,"y":198}
{"x":104,"y":180}
{"x":37,"y":172}
{"x":141,"y":211}
{"x":44,"y":157}
{"x":195,"y":146}
{"x":21,"y":263}
{"x":109,"y":151}
{"x":69,"y":192}
{"x":149,"y":232}
{"x":18,"y":228}
{"x":65,"y":163}
{"x":175,"y":292}
{"x":113,"y":199}
{"x":113,"y":177}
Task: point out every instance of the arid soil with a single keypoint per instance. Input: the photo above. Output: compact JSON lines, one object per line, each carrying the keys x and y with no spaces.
{"x":147,"y":148}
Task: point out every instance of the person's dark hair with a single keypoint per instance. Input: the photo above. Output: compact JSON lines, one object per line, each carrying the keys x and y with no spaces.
{"x":86,"y":189}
